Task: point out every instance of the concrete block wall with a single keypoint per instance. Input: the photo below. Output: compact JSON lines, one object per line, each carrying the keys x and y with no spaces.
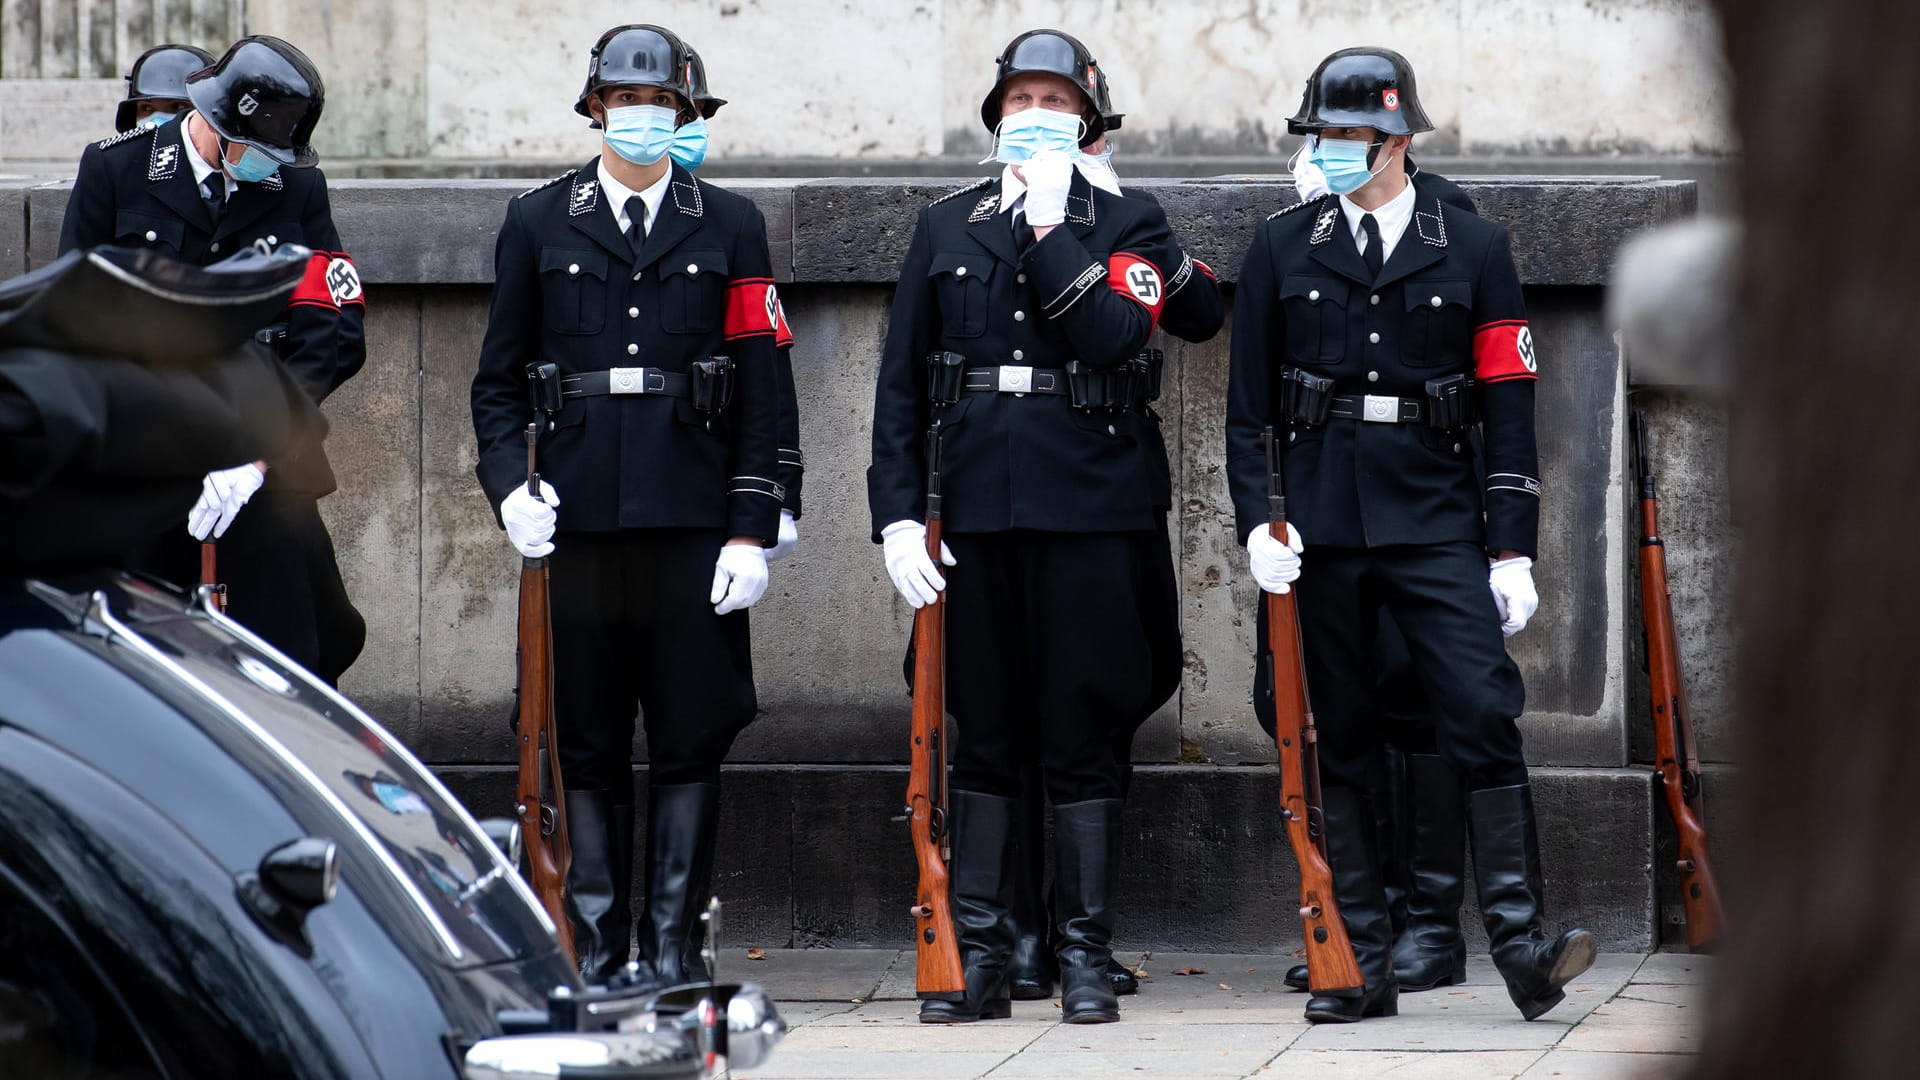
{"x":814,"y":847}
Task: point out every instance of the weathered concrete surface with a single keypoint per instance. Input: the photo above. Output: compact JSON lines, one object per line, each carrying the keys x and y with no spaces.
{"x":1204,"y":859}
{"x":13,"y":226}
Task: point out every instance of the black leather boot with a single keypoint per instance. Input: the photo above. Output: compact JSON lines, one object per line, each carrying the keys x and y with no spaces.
{"x":1086,"y":857}
{"x":1355,"y":860}
{"x":600,"y":881}
{"x":682,"y":823}
{"x":1120,"y":977}
{"x":1389,"y":792}
{"x":1032,"y":971}
{"x":982,"y":893}
{"x":1430,"y":952}
{"x":1506,"y":864}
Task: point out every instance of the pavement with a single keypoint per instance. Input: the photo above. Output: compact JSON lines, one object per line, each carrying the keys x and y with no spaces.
{"x":852,"y":1015}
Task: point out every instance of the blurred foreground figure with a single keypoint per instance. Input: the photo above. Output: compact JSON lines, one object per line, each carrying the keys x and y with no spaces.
{"x":1825,"y":685}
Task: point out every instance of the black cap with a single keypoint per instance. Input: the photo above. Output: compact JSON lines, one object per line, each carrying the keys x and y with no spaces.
{"x":1103,"y":100}
{"x":645,"y":55}
{"x":159,"y":74}
{"x":1051,"y":52}
{"x":1366,"y":87}
{"x":264,"y":93}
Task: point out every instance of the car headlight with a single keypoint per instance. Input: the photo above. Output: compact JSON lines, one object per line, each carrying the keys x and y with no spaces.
{"x":653,"y":1055}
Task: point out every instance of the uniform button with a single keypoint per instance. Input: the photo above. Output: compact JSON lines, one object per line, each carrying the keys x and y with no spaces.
{"x":215,"y":248}
{"x":1373,"y":376}
{"x":693,"y":268}
{"x":573,"y":268}
{"x":632,"y":349}
{"x":1374,"y":299}
{"x":1373,"y":338}
{"x":1019,"y":316}
{"x":273,"y":239}
{"x":1292,"y":435}
{"x":633,"y":313}
{"x":1019,"y":354}
{"x":960,"y":272}
{"x":1110,"y":430}
{"x":1020,"y":278}
{"x":1314,"y":294}
{"x":1435,"y":301}
{"x":152,"y":236}
{"x":1456,"y":448}
{"x":637,"y":277}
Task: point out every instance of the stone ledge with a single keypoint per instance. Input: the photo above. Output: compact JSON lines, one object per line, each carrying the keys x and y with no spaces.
{"x":817,"y":856}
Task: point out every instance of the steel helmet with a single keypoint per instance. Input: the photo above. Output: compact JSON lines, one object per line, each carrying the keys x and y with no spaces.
{"x":1367,"y":87}
{"x":1054,"y":53}
{"x":264,"y":93}
{"x":159,"y":74}
{"x":645,"y":55}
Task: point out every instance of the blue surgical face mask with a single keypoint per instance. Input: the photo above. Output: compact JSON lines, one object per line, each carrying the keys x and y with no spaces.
{"x":252,"y":167}
{"x":155,"y":119}
{"x":1344,"y":161}
{"x":1035,"y":131}
{"x":641,"y":133}
{"x":690,"y":144}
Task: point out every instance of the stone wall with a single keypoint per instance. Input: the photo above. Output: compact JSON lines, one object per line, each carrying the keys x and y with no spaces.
{"x":819,"y":775}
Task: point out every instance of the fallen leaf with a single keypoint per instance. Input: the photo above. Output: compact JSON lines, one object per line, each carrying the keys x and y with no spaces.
{"x":857,"y":1001}
{"x":1224,"y":986}
{"x":1189,"y":971}
{"x":756,"y":954}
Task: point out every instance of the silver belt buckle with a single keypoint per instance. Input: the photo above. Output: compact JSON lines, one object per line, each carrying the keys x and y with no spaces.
{"x":1015,"y":380}
{"x":627,"y":380}
{"x":1380,"y":410}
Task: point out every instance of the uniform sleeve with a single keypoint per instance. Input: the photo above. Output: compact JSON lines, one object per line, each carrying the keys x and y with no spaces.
{"x":793,"y":463}
{"x":1258,"y":330}
{"x":755,"y":330}
{"x":1107,"y":307}
{"x":501,"y":410}
{"x":326,"y":319}
{"x":1504,"y":362}
{"x":90,"y":205}
{"x":896,"y":477}
{"x":1194,"y":310}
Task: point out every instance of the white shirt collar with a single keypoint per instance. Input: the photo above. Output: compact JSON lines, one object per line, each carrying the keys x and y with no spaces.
{"x":618,"y":193}
{"x":1392,"y":218}
{"x":200,"y":166}
{"x":1012,"y":189}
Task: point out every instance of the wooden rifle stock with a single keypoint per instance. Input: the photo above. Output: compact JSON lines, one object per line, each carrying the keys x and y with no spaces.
{"x":542,"y":798}
{"x":1676,"y":757}
{"x":210,"y":574}
{"x":1331,"y":966}
{"x":938,"y":973}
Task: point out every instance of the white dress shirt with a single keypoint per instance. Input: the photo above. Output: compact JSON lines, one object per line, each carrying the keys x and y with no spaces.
{"x":202,"y":168}
{"x":618,"y":194}
{"x":1393,"y":219}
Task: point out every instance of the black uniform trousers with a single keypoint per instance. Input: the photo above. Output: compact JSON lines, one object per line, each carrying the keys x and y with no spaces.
{"x":634,"y":631}
{"x":1438,"y":596}
{"x":1049,"y":657}
{"x":283,"y":581}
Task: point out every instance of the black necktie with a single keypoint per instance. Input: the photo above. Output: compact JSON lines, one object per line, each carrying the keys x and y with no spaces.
{"x":636,"y":222}
{"x":1372,"y":256}
{"x":216,"y":194}
{"x":1022,"y":232}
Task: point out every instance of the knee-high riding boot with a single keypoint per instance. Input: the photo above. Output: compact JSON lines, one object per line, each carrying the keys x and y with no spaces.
{"x":1086,"y":846}
{"x":1430,"y":952}
{"x":1506,"y":867}
{"x":600,"y":881}
{"x":1355,"y":861}
{"x":682,"y":823}
{"x":1032,"y":971}
{"x":982,"y":893}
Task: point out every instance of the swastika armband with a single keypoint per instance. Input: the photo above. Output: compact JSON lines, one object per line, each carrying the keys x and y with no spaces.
{"x":1504,"y":350}
{"x":331,"y":281}
{"x":1138,"y":280}
{"x":753,"y":309}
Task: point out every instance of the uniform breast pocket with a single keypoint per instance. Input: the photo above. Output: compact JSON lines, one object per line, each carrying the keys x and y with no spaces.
{"x":573,"y":290}
{"x":693,"y":291}
{"x":1438,"y":331}
{"x":134,"y":229}
{"x":960,"y":283}
{"x":1316,"y":310}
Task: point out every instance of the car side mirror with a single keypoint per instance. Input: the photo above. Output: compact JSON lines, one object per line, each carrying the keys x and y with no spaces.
{"x":292,"y":879}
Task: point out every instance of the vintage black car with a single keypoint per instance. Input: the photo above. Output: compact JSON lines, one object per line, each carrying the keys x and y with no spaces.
{"x":212,"y":864}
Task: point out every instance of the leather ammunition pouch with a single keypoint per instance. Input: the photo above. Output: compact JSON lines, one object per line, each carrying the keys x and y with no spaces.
{"x":1304,"y":396}
{"x":712,"y":386}
{"x":1453,"y":402}
{"x":944,"y":371}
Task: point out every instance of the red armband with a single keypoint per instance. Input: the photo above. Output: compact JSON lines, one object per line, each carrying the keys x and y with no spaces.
{"x":331,"y":281}
{"x":753,"y":309}
{"x":1504,"y":350}
{"x":1207,"y":270}
{"x":1138,"y":280}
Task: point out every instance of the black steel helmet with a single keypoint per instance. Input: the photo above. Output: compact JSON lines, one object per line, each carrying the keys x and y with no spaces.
{"x":645,"y":55}
{"x":1361,"y":88}
{"x":1103,"y":100}
{"x":264,"y":93}
{"x":1054,"y":53}
{"x":159,"y":74}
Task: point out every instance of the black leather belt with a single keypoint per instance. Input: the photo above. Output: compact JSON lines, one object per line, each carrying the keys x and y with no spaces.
{"x":1009,"y":379}
{"x":1378,"y":408}
{"x":627,"y":380}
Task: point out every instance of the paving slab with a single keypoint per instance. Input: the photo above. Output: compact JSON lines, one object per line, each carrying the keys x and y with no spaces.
{"x":800,"y":1013}
{"x":1691,"y":995}
{"x":872,"y":1065}
{"x":1580,"y":1065}
{"x":810,"y":974}
{"x":1151,"y":1038}
{"x":1639,"y":1027}
{"x":999,"y":1037}
{"x":1674,"y":969}
{"x":1105,"y":1065}
{"x":906,"y":1015}
{"x":1401,"y":1065}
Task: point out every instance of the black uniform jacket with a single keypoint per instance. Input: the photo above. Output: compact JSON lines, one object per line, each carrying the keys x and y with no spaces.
{"x":137,"y":190}
{"x":1090,"y":292}
{"x":1194,"y":311}
{"x":569,"y":289}
{"x":1448,"y":300}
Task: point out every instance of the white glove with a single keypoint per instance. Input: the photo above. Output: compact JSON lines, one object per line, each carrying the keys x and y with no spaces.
{"x":788,"y":540}
{"x":739,"y":577}
{"x":905,"y":546}
{"x":222,"y":494}
{"x":1513,"y":593}
{"x":1047,"y":176}
{"x":1273,"y":563}
{"x":530,"y":521}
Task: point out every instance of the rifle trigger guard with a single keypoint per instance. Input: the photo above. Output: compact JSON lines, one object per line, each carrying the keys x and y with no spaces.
{"x":547,"y":819}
